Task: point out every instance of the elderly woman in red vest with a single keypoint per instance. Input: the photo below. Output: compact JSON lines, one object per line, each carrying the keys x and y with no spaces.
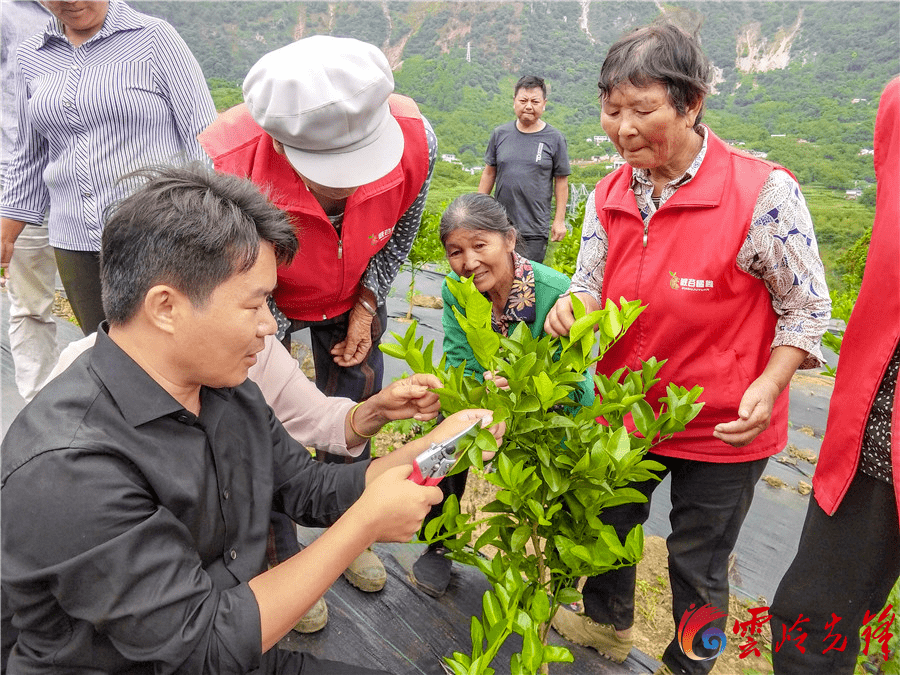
{"x":720,"y":247}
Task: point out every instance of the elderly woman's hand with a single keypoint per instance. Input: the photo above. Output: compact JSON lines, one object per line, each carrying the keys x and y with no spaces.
{"x":499,"y":380}
{"x":561,"y":316}
{"x":353,"y":349}
{"x":755,"y":411}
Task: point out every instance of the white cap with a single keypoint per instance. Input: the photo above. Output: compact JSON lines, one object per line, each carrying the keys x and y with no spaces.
{"x":326,"y":100}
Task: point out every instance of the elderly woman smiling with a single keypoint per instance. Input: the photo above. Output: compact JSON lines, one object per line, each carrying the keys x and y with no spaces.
{"x":480,"y":242}
{"x":720,"y":247}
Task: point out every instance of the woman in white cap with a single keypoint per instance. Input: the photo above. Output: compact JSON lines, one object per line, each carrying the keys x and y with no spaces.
{"x":351,"y":162}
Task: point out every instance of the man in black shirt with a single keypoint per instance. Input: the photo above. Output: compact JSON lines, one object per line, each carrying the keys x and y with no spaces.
{"x":137,"y":486}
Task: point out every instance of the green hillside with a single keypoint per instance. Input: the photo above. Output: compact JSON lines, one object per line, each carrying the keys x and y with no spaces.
{"x":799,"y":81}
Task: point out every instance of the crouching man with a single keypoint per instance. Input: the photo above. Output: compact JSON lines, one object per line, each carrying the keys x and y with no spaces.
{"x":137,"y":486}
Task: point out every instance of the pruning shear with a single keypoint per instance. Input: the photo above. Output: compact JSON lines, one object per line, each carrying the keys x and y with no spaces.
{"x":434,"y":463}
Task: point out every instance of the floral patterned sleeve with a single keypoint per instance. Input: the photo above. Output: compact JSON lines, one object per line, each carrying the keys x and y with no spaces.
{"x":781,"y":250}
{"x":591,"y":265}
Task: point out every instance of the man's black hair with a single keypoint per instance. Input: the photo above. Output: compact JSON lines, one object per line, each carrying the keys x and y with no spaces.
{"x":190,"y":228}
{"x":530,"y":82}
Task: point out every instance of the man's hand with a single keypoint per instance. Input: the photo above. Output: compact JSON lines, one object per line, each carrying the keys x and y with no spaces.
{"x":558,"y":230}
{"x":409,"y":398}
{"x":354,"y":348}
{"x":393,"y":506}
{"x":561,"y":316}
{"x":446,"y":429}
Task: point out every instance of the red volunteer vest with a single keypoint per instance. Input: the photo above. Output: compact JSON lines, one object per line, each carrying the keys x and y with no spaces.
{"x":323,"y":280}
{"x":873,"y":330}
{"x":713,"y":323}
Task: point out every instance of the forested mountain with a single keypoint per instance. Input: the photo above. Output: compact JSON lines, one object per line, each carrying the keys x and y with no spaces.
{"x":799,"y":81}
{"x":791,"y":68}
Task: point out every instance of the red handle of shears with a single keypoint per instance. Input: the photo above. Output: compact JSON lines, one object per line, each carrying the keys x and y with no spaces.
{"x":417,"y":477}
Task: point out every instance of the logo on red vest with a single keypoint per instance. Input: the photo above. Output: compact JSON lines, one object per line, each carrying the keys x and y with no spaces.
{"x":684,"y":284}
{"x":381,"y":236}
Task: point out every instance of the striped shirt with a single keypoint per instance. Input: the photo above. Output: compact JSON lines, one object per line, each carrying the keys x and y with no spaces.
{"x":131,"y":96}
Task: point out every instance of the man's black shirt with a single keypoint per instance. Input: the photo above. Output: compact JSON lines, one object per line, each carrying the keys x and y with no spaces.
{"x":131,"y":527}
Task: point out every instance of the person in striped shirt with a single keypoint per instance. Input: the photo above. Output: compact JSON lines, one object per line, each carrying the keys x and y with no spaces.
{"x":102,"y":90}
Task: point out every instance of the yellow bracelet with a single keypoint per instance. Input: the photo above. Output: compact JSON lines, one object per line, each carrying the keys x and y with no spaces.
{"x":353,"y":426}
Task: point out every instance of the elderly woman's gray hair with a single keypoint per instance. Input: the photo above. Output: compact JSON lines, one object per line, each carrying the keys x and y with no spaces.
{"x":661,"y":53}
{"x":475,"y":211}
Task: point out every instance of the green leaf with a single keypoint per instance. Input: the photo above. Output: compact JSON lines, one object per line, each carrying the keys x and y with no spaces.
{"x":520,"y":535}
{"x":557,"y":654}
{"x":477,"y":632}
{"x":491,"y":608}
{"x":523,"y":622}
{"x":545,"y":389}
{"x":505,"y":467}
{"x":459,"y":664}
{"x":396,"y":351}
{"x":527,"y":404}
{"x":485,"y":343}
{"x":552,"y":477}
{"x":415,"y":360}
{"x":486,"y":537}
{"x":532,"y":651}
{"x":644,"y":418}
{"x":528,"y":424}
{"x":581,"y":327}
{"x":536,"y":509}
{"x":540,"y":607}
{"x":568,"y":596}
{"x":619,"y":444}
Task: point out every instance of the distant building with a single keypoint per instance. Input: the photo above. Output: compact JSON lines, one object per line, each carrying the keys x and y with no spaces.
{"x":853,"y":194}
{"x":866,"y":151}
{"x":447,"y":157}
{"x":777,"y":135}
{"x":859,"y":100}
